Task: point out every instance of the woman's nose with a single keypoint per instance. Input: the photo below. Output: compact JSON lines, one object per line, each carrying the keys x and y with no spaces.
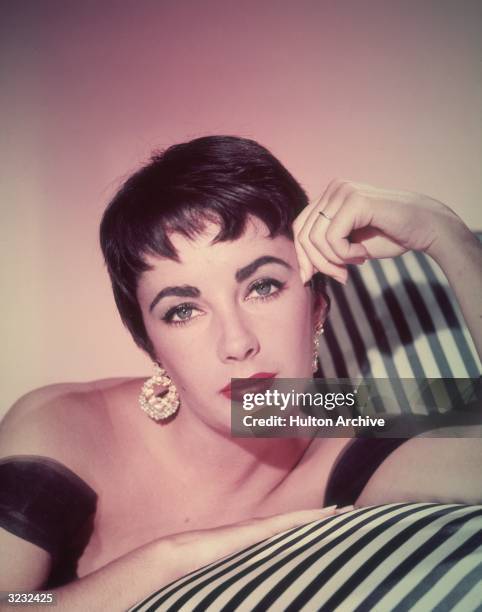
{"x":237,"y":342}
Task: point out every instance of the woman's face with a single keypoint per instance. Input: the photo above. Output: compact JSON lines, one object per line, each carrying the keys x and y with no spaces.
{"x":227,"y":310}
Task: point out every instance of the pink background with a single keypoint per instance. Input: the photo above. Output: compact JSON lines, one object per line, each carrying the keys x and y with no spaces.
{"x":387,"y":93}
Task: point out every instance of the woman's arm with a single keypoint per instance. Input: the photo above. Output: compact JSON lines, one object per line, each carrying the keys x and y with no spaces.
{"x":28,"y":430}
{"x":459,"y":254}
{"x":125,"y":581}
{"x":433,"y":469}
{"x":353,"y":222}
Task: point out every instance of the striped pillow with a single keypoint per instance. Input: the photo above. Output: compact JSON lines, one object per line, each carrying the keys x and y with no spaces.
{"x":396,"y":318}
{"x":392,"y":557}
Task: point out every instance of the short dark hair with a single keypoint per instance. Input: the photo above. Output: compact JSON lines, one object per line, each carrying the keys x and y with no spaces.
{"x":220,"y":179}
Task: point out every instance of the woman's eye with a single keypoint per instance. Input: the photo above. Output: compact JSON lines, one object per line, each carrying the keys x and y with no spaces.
{"x":265,"y":288}
{"x":181,"y":314}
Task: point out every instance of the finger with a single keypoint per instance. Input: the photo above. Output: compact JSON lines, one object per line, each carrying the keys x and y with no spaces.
{"x":339,"y":247}
{"x":333,"y":187}
{"x":318,"y":222}
{"x":316,"y":231}
{"x":345,"y":203}
{"x":305,"y":220}
{"x":318,"y":238}
{"x":337,"y":205}
{"x":321,"y":263}
{"x":306,"y":268}
{"x":207,"y":545}
{"x":302,"y":516}
{"x":282,"y":522}
{"x":315,"y":255}
{"x":300,"y":222}
{"x":320,"y":205}
{"x":355,"y":213}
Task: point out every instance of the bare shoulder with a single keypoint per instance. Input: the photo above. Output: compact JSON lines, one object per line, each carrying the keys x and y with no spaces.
{"x":430,"y":469}
{"x":63,"y":421}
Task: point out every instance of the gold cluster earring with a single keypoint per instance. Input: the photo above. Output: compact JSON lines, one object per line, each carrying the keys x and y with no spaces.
{"x":162,"y":405}
{"x":316,"y":346}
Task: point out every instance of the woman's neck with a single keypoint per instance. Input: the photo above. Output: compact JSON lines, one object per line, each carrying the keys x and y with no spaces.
{"x":229,"y":462}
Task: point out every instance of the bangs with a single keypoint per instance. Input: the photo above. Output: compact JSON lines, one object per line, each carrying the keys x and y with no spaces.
{"x":149,"y":232}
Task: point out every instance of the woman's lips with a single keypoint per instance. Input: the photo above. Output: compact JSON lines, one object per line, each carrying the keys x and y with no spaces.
{"x":257,"y":383}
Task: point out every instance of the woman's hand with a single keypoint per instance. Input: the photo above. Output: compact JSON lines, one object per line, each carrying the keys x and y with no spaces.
{"x":353,"y":222}
{"x":207,"y":545}
{"x":125,"y":581}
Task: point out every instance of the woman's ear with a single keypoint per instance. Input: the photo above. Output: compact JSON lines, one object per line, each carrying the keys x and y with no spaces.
{"x":321,"y":307}
{"x":321,"y":300}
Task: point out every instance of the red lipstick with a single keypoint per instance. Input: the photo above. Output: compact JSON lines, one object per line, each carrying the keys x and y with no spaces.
{"x":256,"y":383}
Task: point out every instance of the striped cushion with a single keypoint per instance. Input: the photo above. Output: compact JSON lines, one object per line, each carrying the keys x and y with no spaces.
{"x":393,"y":557}
{"x":396,"y":318}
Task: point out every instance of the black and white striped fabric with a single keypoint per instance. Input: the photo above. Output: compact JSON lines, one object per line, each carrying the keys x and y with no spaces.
{"x":394,"y":557}
{"x":396,"y":318}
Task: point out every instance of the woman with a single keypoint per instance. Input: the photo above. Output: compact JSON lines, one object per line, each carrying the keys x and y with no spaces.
{"x":213,"y":283}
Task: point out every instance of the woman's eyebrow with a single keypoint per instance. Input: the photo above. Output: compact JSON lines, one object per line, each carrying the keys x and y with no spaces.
{"x":181,"y":291}
{"x":241,"y":275}
{"x":244,"y":273}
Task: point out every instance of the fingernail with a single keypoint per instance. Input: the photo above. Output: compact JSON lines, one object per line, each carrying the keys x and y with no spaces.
{"x":329,"y":508}
{"x":340,"y":279}
{"x":358,"y":260}
{"x":345,"y":509}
